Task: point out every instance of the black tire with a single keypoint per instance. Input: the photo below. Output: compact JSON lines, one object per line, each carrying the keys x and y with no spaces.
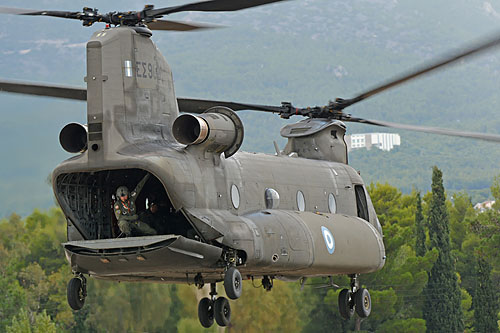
{"x":206,"y":312}
{"x":232,"y":283}
{"x":76,"y":294}
{"x":345,"y":308}
{"x":363,"y":303}
{"x":222,"y":311}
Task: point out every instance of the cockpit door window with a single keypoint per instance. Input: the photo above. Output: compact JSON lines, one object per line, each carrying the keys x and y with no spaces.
{"x":361,"y":204}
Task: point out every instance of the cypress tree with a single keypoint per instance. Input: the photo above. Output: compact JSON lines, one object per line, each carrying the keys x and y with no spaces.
{"x":442,"y":310}
{"x":484,"y":300}
{"x":174,"y":314}
{"x":419,"y":228}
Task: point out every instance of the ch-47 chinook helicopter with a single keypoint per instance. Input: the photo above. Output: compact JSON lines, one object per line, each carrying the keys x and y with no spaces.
{"x":228,"y":215}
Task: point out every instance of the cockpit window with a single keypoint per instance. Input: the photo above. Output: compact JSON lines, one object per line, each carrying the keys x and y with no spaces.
{"x":361,"y":204}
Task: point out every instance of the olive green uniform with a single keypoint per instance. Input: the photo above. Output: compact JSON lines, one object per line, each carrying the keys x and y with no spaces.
{"x":126,"y":213}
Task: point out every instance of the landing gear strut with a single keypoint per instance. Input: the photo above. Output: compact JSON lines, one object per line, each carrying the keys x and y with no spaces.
{"x":354,"y":299}
{"x":267,"y":283}
{"x":77,"y":291}
{"x":218,"y":308}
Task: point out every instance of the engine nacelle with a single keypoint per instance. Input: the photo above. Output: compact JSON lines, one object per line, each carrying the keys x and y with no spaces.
{"x":218,"y":130}
{"x":73,"y":138}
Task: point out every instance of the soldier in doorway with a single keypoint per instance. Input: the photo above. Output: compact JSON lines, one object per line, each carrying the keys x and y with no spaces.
{"x":153,"y":217}
{"x":126,"y":211}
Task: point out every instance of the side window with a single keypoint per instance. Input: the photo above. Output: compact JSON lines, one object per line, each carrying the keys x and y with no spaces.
{"x":361,"y":203}
{"x":301,"y":201}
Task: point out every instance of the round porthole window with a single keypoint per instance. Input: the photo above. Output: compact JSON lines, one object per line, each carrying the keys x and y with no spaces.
{"x":301,"y":201}
{"x":332,"y":204}
{"x":235,"y":196}
{"x":272,"y":198}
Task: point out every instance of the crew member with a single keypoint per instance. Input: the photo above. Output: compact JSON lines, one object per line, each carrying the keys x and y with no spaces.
{"x":152,"y":217}
{"x":126,"y":211}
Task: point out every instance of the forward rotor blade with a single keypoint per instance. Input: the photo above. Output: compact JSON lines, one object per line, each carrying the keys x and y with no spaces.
{"x":190,"y":105}
{"x":211,"y":6}
{"x":425,"y":129}
{"x":448,"y":59}
{"x":178,"y":25}
{"x":32,"y":12}
{"x":42,"y":89}
{"x":16,"y":11}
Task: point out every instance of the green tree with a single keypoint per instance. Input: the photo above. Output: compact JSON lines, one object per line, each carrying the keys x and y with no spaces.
{"x":128,"y":307}
{"x":175,"y":310}
{"x":484,"y":249}
{"x":11,"y":300}
{"x":412,"y":325}
{"x":36,"y":323}
{"x":420,"y":230}
{"x":321,"y":308}
{"x":13,"y":296}
{"x":495,"y":191}
{"x":442,"y":305}
{"x":258,"y":310}
{"x":485,"y":300}
{"x":460,"y":209}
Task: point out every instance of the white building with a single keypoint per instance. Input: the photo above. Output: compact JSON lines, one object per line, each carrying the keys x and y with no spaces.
{"x":482,"y":206}
{"x":383,"y":141}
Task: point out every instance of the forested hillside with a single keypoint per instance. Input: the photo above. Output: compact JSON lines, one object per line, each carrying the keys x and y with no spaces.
{"x":305,"y":52}
{"x":34,"y":273}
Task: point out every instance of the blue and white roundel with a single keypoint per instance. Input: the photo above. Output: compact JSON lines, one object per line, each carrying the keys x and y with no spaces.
{"x":329,"y":241}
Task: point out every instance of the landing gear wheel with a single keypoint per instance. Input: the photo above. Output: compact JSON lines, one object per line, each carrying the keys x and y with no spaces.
{"x":76,"y":294}
{"x":222,"y":311}
{"x":363,"y":302}
{"x":346,"y":307}
{"x":232,"y":283}
{"x":206,"y":312}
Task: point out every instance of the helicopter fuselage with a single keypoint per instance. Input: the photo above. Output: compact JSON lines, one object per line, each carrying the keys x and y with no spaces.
{"x":224,"y":201}
{"x":281,"y":216}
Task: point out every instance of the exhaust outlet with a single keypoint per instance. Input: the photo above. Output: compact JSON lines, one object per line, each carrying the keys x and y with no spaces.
{"x":190,"y":130}
{"x":73,"y":138}
{"x":217,"y":130}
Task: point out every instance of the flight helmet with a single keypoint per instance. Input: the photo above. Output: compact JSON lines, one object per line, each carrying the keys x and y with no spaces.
{"x":121,"y":191}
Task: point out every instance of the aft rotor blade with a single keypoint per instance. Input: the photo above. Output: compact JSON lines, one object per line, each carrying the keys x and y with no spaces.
{"x":178,"y":25}
{"x":211,"y":6}
{"x":448,"y":59}
{"x":43,"y":89}
{"x":190,"y":105}
{"x":32,"y":12}
{"x":433,"y":130}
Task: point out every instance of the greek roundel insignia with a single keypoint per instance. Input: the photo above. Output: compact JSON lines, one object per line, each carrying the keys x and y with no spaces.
{"x":329,"y":241}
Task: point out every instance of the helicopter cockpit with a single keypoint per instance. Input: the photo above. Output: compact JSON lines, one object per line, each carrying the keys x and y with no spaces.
{"x":89,"y":198}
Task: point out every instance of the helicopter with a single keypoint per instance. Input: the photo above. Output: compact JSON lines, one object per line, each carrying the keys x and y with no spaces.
{"x":227,"y":215}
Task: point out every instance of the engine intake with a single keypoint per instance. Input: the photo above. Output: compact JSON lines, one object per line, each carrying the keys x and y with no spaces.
{"x":218,"y":130}
{"x":73,"y":138}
